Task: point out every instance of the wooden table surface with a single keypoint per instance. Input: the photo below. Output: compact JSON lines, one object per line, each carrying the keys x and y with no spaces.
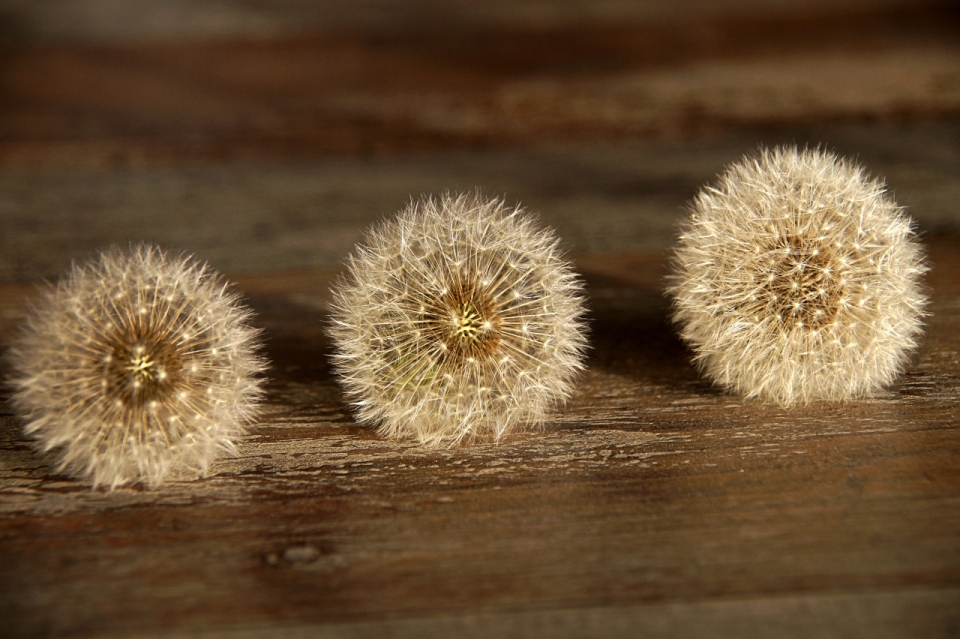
{"x":264,"y":137}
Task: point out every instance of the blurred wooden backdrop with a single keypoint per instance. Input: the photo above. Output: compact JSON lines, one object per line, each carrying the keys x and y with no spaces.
{"x":264,"y":136}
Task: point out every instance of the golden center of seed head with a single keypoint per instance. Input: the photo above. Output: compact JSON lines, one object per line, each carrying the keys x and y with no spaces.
{"x":466,"y":323}
{"x":803,"y":286}
{"x":138,"y":370}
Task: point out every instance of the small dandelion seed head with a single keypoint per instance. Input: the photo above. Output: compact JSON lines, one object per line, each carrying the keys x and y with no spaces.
{"x":837,"y":273}
{"x":104,"y":368}
{"x":456,"y":320}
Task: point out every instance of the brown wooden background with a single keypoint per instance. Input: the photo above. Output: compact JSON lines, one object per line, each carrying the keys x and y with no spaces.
{"x":264,"y":136}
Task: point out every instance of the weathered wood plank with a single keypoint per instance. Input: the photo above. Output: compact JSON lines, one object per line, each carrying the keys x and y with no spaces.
{"x":165,"y":20}
{"x":649,"y":488}
{"x":269,"y":216}
{"x":915,"y":613}
{"x":652,"y":504}
{"x":438,"y":87}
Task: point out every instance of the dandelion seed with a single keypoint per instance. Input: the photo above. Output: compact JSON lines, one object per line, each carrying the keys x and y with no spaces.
{"x":449,"y":344}
{"x":845,"y":312}
{"x":105,"y":372}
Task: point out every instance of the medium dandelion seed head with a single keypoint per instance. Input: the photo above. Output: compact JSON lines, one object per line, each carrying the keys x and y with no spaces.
{"x":457,"y":320}
{"x":134,"y":365}
{"x":797,"y":279}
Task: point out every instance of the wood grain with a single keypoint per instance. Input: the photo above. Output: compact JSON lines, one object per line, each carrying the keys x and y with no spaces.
{"x":432,"y":87}
{"x":276,"y":215}
{"x":265,"y":136}
{"x":165,"y":20}
{"x":649,"y":488}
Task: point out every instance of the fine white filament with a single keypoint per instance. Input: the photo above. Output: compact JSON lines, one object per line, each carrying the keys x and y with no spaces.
{"x":134,"y":365}
{"x":457,"y":319}
{"x":797,"y":279}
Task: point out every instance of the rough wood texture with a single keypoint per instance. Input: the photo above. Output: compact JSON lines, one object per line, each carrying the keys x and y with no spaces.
{"x":273,"y":215}
{"x":650,"y":487}
{"x":264,"y":136}
{"x":432,"y":86}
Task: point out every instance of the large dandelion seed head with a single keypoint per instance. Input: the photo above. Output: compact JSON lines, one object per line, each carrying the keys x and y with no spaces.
{"x":457,"y":319}
{"x":797,"y":278}
{"x":135,"y":365}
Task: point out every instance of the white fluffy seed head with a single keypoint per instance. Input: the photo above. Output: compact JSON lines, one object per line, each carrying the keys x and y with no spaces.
{"x":797,"y":279}
{"x":457,"y":319}
{"x":134,"y":365}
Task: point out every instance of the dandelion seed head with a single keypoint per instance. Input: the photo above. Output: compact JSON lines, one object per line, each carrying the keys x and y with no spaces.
{"x":797,"y":279}
{"x":134,"y":365}
{"x":456,"y":320}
